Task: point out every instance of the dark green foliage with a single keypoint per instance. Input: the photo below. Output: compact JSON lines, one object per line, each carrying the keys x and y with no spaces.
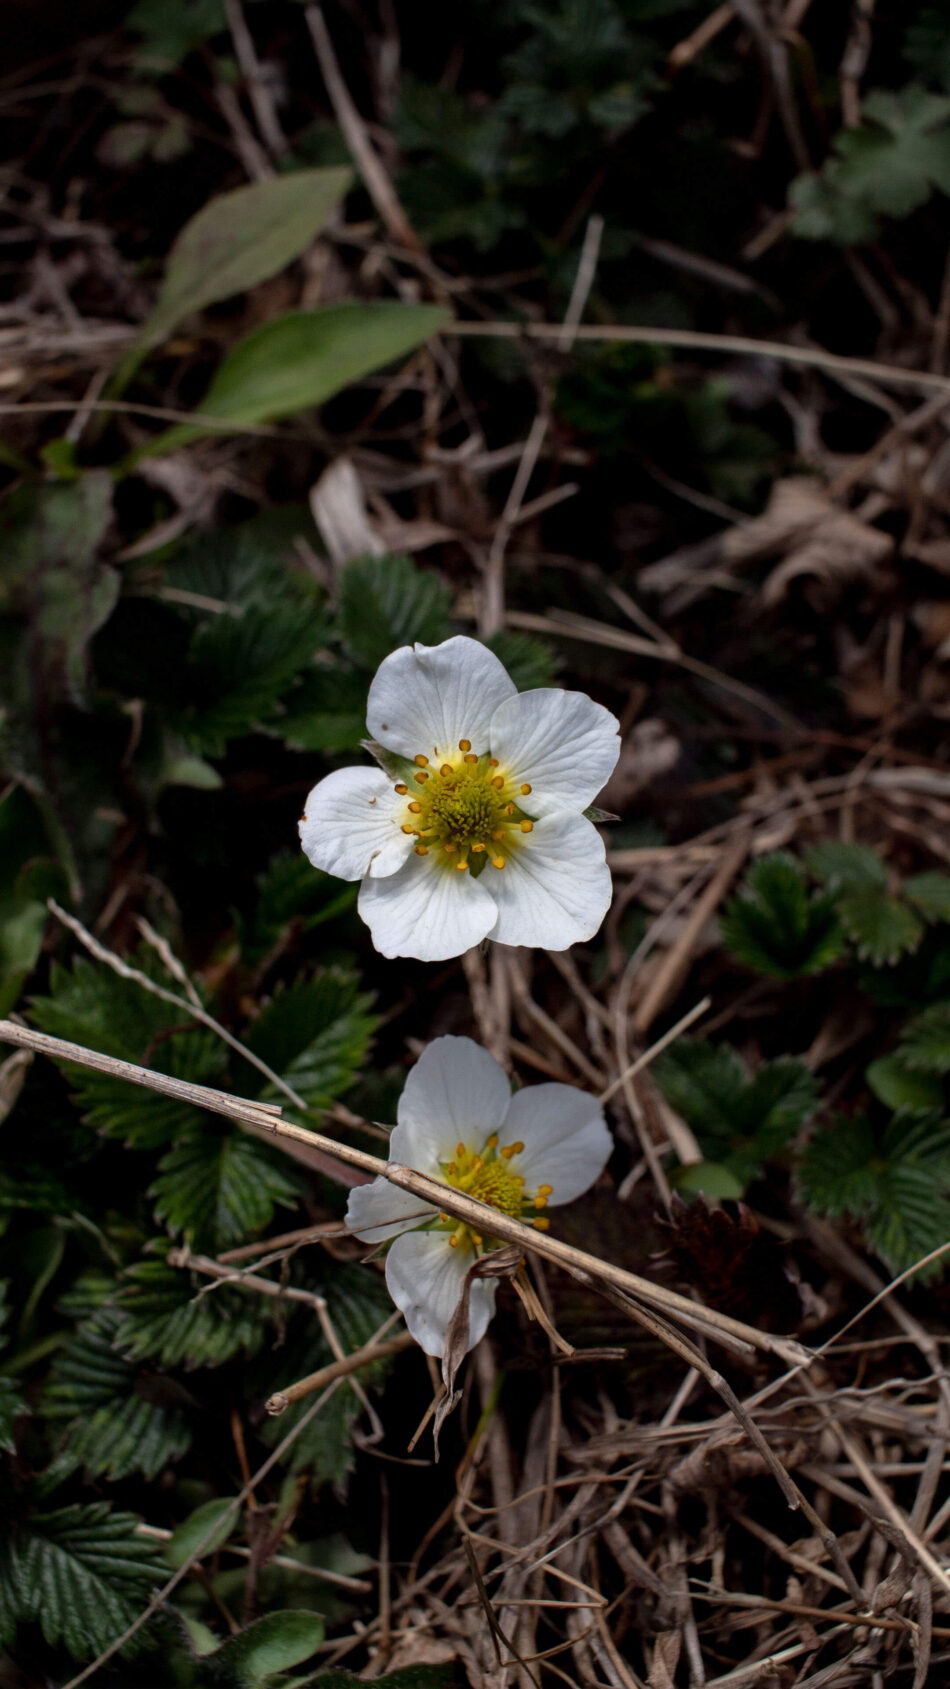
{"x":217,"y":1186}
{"x":776,"y":927}
{"x":163,"y":1318}
{"x":81,"y":1573}
{"x":927,"y":46}
{"x":846,"y":867}
{"x":240,"y":667}
{"x":896,"y":1182}
{"x":293,"y":897}
{"x":930,"y":894}
{"x":741,"y":1121}
{"x":12,"y":1404}
{"x":925,"y":1041}
{"x":114,"y":1420}
{"x":887,"y":167}
{"x":881,"y":928}
{"x":386,"y":602}
{"x":529,"y":661}
{"x":408,"y":1677}
{"x":315,"y":1035}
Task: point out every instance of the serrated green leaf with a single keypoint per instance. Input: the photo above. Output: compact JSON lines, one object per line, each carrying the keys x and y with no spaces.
{"x":217,"y":1186}
{"x":740,"y":1121}
{"x":847,"y":867}
{"x":292,"y":897}
{"x":836,"y":1174}
{"x":882,"y":928}
{"x":887,"y":166}
{"x":386,"y":602}
{"x":83,"y":1574}
{"x":895,"y":1085}
{"x":270,"y":1645}
{"x":325,"y":710}
{"x":239,"y":239}
{"x":775,"y":928}
{"x":530,"y":662}
{"x":238,"y":669}
{"x":298,"y":361}
{"x":316,"y":1035}
{"x":930,"y":893}
{"x":910,"y":1217}
{"x":215,"y":1520}
{"x":925,"y":1040}
{"x":163,"y":1318}
{"x":114,"y":1420}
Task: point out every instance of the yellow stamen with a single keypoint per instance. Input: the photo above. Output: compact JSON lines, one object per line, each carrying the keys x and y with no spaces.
{"x":401,"y":789}
{"x":477,"y":847}
{"x":492,"y":1142}
{"x":539,"y":1226}
{"x":421,"y":761}
{"x":518,"y":1178}
{"x":509,"y":809}
{"x":415,"y":808}
{"x":406,"y":828}
{"x":420,"y":779}
{"x":460,"y":1151}
{"x":498,"y":782}
{"x":470,"y":757}
{"x":511,"y":1149}
{"x":499,"y":833}
{"x":460,"y":867}
{"x":498,"y":862}
{"x":540,"y":1201}
{"x":493,"y":762}
{"x":525,"y":790}
{"x":527,"y":826}
{"x":545,"y":1190}
{"x":422,"y":850}
{"x":465,"y":744}
{"x":449,"y":848}
{"x":446,"y":769}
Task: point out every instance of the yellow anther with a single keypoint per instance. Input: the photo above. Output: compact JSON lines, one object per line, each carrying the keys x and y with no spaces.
{"x":545,"y":1190}
{"x":498,"y":862}
{"x":477,"y":847}
{"x":465,"y":744}
{"x":454,"y":1240}
{"x":415,"y":808}
{"x":539,"y":1226}
{"x":509,"y":809}
{"x":540,"y":1201}
{"x":525,"y":789}
{"x":460,"y":1152}
{"x":420,"y":779}
{"x":421,"y":850}
{"x":401,"y":789}
{"x":499,"y":833}
{"x":470,"y":757}
{"x":518,"y":1178}
{"x":406,"y":828}
{"x":493,"y":762}
{"x":492,"y":1142}
{"x":460,"y":867}
{"x":449,"y":848}
{"x":421,"y":761}
{"x":446,"y":769}
{"x":527,"y":826}
{"x":444,"y":1218}
{"x":511,"y":1149}
{"x":476,"y":1240}
{"x":498,"y":781}
{"x":478,"y":1162}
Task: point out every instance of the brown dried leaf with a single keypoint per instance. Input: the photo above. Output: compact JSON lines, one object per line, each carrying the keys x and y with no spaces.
{"x":501,"y":1263}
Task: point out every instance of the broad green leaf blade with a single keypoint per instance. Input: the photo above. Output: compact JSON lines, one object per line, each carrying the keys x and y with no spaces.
{"x":895,"y":1085}
{"x":710,"y":1179}
{"x":239,"y":239}
{"x":275,"y":1643}
{"x":386,"y":602}
{"x":881,"y":927}
{"x":925,"y":1040}
{"x":114,"y":1423}
{"x":164,"y":1319}
{"x":315,"y":1034}
{"x":775,"y":928}
{"x":216,"y":1520}
{"x":847,"y":867}
{"x":930,"y":894}
{"x":218,"y":1188}
{"x":83,"y":1573}
{"x":837,"y":1172}
{"x":300,"y":360}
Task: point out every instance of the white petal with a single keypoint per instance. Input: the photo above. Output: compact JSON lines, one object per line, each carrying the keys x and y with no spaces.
{"x":425,"y":698}
{"x":565,"y":1137}
{"x":379,"y":1211}
{"x":351,"y":825}
{"x":426,"y":911}
{"x":425,"y":1276}
{"x":555,"y":887}
{"x":456,"y":1093}
{"x":561,"y":744}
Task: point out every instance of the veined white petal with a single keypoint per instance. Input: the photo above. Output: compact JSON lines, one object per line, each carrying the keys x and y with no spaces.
{"x":379,"y":1211}
{"x":426,"y":911}
{"x":456,"y":1093}
{"x":351,"y":825}
{"x":425,"y":698}
{"x":561,"y":744}
{"x":425,"y":1276}
{"x":565,"y":1137}
{"x":555,"y":887}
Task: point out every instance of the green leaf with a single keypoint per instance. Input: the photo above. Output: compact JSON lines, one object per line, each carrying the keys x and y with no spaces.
{"x":172,"y":32}
{"x":217,"y":1520}
{"x":293,"y":896}
{"x":927,"y":45}
{"x":164,"y":1319}
{"x":925,"y":1041}
{"x":886,"y":167}
{"x":273,"y":1644}
{"x":530,"y":662}
{"x":836,"y":1174}
{"x":881,"y":927}
{"x":775,"y":928}
{"x":326,"y":710}
{"x":217,"y":1186}
{"x":22,"y":925}
{"x":930,"y":893}
{"x":298,"y":361}
{"x":83,"y":1574}
{"x":740,"y":1122}
{"x":897,"y":1186}
{"x":115,"y":1420}
{"x":315,"y":1035}
{"x":846,"y":867}
{"x":386,"y":602}
{"x":710,"y":1179}
{"x":239,"y":239}
{"x":12,"y":1404}
{"x":895,"y":1085}
{"x":238,"y":669}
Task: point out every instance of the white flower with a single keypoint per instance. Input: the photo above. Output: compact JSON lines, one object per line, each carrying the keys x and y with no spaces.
{"x":478,"y":831}
{"x":458,"y":1121}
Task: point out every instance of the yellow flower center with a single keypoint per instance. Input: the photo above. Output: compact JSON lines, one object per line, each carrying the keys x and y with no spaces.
{"x":466,"y":808}
{"x":489,"y":1176}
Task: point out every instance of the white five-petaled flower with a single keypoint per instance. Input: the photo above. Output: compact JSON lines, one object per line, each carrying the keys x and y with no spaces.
{"x":478,"y":831}
{"x":458,"y":1121}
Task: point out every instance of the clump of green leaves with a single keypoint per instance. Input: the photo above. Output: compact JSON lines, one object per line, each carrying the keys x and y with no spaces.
{"x":895,"y":1181}
{"x":887,"y":167}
